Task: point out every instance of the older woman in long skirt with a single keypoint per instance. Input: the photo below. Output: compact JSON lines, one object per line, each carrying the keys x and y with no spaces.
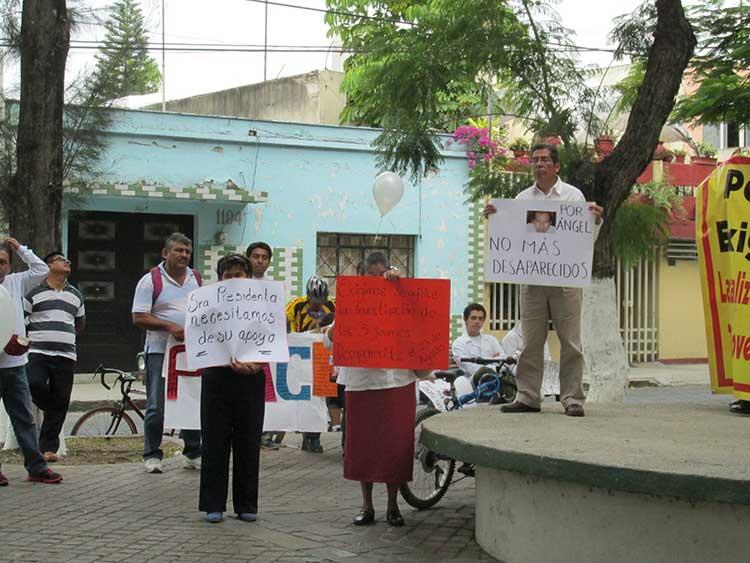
{"x":379,"y":420}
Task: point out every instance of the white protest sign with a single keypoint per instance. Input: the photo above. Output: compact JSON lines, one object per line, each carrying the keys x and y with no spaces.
{"x":540,"y":242}
{"x":296,"y":409}
{"x":239,"y":318}
{"x":182,"y":389}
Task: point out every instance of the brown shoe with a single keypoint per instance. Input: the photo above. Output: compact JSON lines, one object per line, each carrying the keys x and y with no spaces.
{"x":519,"y":407}
{"x":574,"y":410}
{"x":50,"y":457}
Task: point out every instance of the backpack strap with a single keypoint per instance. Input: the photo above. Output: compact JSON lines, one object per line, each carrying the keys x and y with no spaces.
{"x":158,"y":284}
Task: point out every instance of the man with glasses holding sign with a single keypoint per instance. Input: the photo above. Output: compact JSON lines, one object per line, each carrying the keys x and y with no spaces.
{"x":540,"y":304}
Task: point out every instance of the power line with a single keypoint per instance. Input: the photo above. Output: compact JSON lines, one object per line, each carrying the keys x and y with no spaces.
{"x":334,"y":12}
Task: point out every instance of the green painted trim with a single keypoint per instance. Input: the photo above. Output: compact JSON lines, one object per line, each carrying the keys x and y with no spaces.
{"x":204,"y":192}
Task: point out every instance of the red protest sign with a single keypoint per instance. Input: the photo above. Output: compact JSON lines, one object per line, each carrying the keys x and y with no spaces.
{"x":392,"y":323}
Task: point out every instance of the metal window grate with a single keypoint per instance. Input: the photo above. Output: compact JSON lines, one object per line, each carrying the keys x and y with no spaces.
{"x":340,"y":253}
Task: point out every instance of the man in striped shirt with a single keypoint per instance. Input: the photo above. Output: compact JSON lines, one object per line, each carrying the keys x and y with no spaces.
{"x":54,"y":315}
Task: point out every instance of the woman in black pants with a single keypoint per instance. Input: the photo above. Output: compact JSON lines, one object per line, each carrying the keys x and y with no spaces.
{"x":232,"y":409}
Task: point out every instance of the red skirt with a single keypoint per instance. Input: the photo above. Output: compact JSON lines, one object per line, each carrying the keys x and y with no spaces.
{"x":379,"y":446}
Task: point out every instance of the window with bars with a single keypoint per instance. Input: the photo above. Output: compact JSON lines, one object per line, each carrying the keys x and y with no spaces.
{"x":340,"y":253}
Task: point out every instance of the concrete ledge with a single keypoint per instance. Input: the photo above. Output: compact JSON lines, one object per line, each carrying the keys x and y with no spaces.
{"x":691,"y":452}
{"x":522,"y":518}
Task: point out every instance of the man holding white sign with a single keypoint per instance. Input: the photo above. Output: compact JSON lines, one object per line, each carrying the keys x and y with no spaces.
{"x":558,"y":269}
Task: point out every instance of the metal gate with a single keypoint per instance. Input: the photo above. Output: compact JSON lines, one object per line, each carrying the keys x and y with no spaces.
{"x":638,"y":309}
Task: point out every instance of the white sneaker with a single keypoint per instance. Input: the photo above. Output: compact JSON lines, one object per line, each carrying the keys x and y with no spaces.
{"x":152,"y":465}
{"x":194,"y":463}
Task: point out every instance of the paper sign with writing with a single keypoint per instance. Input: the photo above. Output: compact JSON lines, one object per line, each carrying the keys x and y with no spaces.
{"x":296,"y":409}
{"x":182,"y":389}
{"x":540,"y":243}
{"x":392,"y":323}
{"x":723,"y":209}
{"x":322,"y":372}
{"x":238,"y":318}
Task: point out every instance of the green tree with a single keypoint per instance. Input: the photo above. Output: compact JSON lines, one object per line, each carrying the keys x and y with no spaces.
{"x":419,"y":65}
{"x":124,"y":66}
{"x":721,"y":67}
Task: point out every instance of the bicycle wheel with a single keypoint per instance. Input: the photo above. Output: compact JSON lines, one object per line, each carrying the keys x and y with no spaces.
{"x":104,"y":421}
{"x":433,"y":472}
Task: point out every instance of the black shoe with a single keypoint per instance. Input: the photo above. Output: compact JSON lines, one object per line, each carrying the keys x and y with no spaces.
{"x":394,"y":518}
{"x":519,"y":407}
{"x":574,"y":410}
{"x":364,"y":518}
{"x":740,"y":407}
{"x":467,"y":469}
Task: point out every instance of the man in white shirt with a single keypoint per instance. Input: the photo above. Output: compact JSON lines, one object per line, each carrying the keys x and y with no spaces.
{"x":14,"y":386}
{"x":159,"y":308}
{"x":540,"y":304}
{"x":474,"y":344}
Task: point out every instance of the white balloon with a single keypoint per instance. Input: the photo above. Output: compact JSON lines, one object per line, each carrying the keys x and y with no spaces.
{"x":387,"y":190}
{"x":7,"y":312}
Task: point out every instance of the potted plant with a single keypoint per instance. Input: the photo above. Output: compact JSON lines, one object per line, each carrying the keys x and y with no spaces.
{"x":520,"y":147}
{"x":706,"y":154}
{"x":679,"y":155}
{"x":604,"y":144}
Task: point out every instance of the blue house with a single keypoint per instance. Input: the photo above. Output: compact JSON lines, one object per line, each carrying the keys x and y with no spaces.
{"x":304,"y":189}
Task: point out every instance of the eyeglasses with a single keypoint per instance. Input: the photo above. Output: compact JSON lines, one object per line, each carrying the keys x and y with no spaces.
{"x":58,"y":259}
{"x":542,"y":160}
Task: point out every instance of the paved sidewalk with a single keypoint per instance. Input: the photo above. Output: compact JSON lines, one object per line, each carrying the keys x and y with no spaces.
{"x":118,"y":513}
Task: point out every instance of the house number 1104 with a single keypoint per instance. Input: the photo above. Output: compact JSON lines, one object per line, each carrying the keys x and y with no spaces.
{"x":228,"y":216}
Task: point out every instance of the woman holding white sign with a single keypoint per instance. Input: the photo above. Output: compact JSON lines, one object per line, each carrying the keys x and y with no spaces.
{"x":232,"y":410}
{"x":380,"y":410}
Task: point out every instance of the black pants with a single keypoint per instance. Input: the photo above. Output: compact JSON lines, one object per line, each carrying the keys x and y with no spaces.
{"x":232,"y":409}
{"x":50,"y":383}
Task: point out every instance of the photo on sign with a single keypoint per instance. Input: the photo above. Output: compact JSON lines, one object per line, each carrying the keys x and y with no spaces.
{"x":540,"y":221}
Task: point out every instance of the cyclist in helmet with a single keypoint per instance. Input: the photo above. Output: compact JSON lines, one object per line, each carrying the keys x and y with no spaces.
{"x":306,"y":313}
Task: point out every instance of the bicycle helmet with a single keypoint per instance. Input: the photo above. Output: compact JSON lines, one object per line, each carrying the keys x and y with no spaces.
{"x":317,"y":288}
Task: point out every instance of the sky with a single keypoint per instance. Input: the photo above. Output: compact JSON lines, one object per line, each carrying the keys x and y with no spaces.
{"x":242,"y":22}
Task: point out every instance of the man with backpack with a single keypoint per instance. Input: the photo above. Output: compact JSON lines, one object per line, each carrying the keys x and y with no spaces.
{"x":159,"y":309}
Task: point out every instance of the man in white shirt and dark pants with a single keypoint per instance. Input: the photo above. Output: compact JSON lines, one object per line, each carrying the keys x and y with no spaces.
{"x":160,"y":311}
{"x":540,"y":304}
{"x":474,"y":344}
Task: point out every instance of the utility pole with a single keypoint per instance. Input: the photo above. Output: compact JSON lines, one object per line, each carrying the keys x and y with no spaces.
{"x":265,"y":42}
{"x":163,"y":56}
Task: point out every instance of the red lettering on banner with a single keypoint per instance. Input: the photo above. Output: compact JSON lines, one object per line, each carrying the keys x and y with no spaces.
{"x":173,"y":373}
{"x":402,"y":323}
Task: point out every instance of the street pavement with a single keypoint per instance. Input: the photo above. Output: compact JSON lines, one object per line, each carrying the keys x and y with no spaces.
{"x":119,"y":513}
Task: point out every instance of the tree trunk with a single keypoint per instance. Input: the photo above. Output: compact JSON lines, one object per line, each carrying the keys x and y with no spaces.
{"x":33,"y":200}
{"x":614,"y":177}
{"x":606,"y":361}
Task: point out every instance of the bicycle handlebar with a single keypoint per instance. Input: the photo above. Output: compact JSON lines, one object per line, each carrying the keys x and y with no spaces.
{"x":102,"y":371}
{"x":490,"y":361}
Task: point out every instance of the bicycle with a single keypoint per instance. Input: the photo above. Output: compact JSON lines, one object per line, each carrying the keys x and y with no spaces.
{"x":433,"y":472}
{"x":113,"y":420}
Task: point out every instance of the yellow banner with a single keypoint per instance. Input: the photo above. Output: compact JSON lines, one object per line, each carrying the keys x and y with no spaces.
{"x":723,"y":240}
